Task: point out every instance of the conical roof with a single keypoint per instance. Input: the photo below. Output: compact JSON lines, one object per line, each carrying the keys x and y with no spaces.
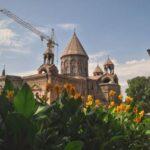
{"x":108,"y":62}
{"x":98,"y":69}
{"x":74,"y":47}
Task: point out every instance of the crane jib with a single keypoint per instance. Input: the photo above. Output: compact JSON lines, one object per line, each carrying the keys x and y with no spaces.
{"x":26,"y":25}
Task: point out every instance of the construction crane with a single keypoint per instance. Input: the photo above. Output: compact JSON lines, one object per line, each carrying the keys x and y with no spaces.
{"x":30,"y":27}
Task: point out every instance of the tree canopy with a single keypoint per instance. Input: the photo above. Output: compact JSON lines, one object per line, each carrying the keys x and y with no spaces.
{"x":139,"y":89}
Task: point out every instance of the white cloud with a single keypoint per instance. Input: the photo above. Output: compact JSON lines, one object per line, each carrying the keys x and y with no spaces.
{"x":98,"y":55}
{"x":5,"y":23}
{"x":131,"y":69}
{"x":134,"y":61}
{"x":6,"y":34}
{"x":8,"y":41}
{"x":68,"y":26}
{"x":16,"y":50}
{"x":134,"y":68}
{"x":11,"y":41}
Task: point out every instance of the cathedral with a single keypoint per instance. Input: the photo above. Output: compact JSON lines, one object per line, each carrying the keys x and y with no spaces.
{"x":74,"y":70}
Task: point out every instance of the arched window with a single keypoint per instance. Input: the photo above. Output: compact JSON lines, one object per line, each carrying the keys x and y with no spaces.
{"x":42,"y":71}
{"x":62,"y":66}
{"x":73,"y":67}
{"x":79,"y":67}
{"x":106,"y":80}
{"x":66,"y":67}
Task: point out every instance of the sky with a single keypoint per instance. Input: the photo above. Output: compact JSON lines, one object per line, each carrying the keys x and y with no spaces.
{"x":118,"y":28}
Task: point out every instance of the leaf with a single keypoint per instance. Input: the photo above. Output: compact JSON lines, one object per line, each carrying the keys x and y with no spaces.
{"x":64,"y":97}
{"x":41,"y":109}
{"x":147,"y":132}
{"x":72,"y":106}
{"x":74,"y":145}
{"x":21,"y":128}
{"x":8,"y":86}
{"x":24,"y":102}
{"x":4,"y":107}
{"x":106,"y":118}
{"x":41,"y":112}
{"x":116,"y":138}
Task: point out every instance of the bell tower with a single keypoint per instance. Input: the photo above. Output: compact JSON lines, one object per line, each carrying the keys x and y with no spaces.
{"x":109,"y":66}
{"x":48,"y":54}
{"x":48,"y":66}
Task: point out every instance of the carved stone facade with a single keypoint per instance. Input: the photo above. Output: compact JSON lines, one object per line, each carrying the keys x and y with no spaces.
{"x":74,"y":70}
{"x":74,"y":65}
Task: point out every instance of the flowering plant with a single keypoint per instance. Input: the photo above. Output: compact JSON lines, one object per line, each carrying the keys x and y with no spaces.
{"x":72,"y":122}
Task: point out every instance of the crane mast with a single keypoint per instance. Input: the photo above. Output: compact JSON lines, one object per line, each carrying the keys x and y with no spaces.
{"x":29,"y":26}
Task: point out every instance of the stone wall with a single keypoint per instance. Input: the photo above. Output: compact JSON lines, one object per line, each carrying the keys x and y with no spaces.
{"x":85,"y":86}
{"x":106,"y":87}
{"x":74,"y":65}
{"x":16,"y":80}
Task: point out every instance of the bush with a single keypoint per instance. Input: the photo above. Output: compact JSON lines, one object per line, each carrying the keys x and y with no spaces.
{"x":69,"y":123}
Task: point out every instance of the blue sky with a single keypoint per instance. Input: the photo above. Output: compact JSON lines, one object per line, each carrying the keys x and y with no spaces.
{"x":118,"y":28}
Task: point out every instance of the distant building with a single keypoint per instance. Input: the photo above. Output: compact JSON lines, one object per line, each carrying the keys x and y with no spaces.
{"x":74,"y":70}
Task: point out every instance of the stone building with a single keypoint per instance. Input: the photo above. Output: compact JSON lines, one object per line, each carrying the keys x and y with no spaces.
{"x":74,"y":70}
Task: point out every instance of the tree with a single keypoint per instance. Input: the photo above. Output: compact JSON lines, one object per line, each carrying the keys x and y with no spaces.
{"x":139,"y":89}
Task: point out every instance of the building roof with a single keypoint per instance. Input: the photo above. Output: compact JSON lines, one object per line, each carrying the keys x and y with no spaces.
{"x":74,"y":47}
{"x":109,"y":62}
{"x":98,"y":69}
{"x":94,"y":77}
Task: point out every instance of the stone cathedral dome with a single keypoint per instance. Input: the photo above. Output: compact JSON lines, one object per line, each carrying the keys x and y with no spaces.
{"x":74,"y":47}
{"x":74,"y":60}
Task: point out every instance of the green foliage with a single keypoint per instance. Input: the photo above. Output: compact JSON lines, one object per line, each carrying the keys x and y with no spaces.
{"x":26,"y":124}
{"x":4,"y":104}
{"x":4,"y":107}
{"x":24,"y":102}
{"x":8,"y":86}
{"x":20,"y":131}
{"x":139,"y":89}
{"x":74,"y":145}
